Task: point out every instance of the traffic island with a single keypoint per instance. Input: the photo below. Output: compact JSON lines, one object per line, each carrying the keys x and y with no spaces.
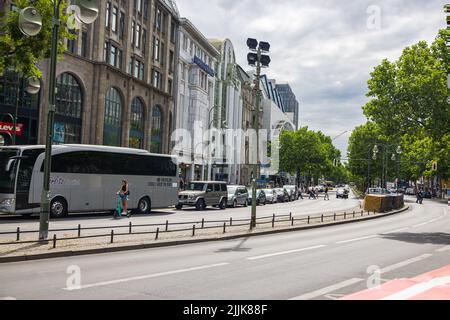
{"x":66,"y":245}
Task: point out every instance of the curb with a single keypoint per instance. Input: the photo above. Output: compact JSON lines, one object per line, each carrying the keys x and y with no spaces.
{"x":72,"y":253}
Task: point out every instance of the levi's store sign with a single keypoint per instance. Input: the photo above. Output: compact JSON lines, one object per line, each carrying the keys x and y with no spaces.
{"x":9,"y":128}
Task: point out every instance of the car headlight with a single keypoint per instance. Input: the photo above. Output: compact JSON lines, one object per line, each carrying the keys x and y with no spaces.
{"x":191,"y":197}
{"x":7,"y":202}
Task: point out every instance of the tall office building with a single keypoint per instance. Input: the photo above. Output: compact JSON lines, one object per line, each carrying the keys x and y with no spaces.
{"x":289,"y":101}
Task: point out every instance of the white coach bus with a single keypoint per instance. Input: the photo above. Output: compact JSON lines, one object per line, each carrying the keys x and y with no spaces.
{"x":85,"y":178}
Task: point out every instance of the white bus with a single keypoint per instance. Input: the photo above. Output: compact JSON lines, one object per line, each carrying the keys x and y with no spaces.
{"x":85,"y":178}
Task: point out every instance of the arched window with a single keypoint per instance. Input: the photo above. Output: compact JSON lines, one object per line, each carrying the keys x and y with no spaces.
{"x":69,"y":110}
{"x":137,"y":124}
{"x":112,"y":130}
{"x":156,"y":140}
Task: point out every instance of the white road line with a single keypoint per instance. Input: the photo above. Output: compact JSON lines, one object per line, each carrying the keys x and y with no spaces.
{"x":418,"y":289}
{"x":284,"y":252}
{"x":324,"y":291}
{"x":421,"y":224}
{"x":405,"y":263}
{"x":154,"y":275}
{"x":357,"y":239}
{"x":397,"y":230}
{"x":444,"y":249}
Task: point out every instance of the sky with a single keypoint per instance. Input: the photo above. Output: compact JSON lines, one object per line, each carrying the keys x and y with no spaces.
{"x":325,"y":49}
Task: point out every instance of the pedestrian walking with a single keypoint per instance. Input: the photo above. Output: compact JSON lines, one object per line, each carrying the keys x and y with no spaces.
{"x":123,"y":194}
{"x":419,"y":197}
{"x":327,"y":197}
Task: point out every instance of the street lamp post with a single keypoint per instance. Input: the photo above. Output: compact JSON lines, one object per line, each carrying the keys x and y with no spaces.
{"x":256,"y":58}
{"x":30,"y":23}
{"x":386,"y":148}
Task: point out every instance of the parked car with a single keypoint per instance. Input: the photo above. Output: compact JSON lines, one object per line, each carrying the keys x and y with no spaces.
{"x":293,"y":192}
{"x":282,"y":195}
{"x":341,"y":193}
{"x":271,"y":195}
{"x":260,"y":197}
{"x":320,"y":188}
{"x":201,"y":194}
{"x":237,"y":196}
{"x":410,"y":192}
{"x":378,"y":191}
{"x":427,"y":195}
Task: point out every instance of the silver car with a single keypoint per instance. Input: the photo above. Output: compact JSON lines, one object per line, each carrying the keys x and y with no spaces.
{"x":237,"y":196}
{"x":200,"y":194}
{"x":271,"y":195}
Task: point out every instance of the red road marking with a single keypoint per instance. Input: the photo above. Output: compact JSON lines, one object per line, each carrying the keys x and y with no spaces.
{"x":439,"y":292}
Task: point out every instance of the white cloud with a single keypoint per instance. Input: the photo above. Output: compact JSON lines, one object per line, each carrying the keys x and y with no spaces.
{"x":323,"y":48}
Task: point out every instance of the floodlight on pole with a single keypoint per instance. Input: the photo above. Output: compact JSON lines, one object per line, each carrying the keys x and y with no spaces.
{"x":30,"y":22}
{"x":88,"y":10}
{"x":252,"y":44}
{"x":33,"y":85}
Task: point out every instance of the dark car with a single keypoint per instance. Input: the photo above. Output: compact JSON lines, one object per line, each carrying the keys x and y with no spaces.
{"x":260,"y":197}
{"x":427,"y":195}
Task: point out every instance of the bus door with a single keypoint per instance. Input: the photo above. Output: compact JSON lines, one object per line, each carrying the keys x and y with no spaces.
{"x":23,"y":186}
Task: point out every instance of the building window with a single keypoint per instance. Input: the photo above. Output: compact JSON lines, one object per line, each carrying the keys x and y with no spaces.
{"x":69,"y":109}
{"x":72,"y":43}
{"x":169,"y":84}
{"x":155,"y":49}
{"x":133,"y":33}
{"x":158,"y":18}
{"x":156,"y":79}
{"x":106,"y":51}
{"x":172,"y":32}
{"x":138,"y":36}
{"x":137,"y":124}
{"x":115,"y":19}
{"x":144,"y":41}
{"x":122,"y":24}
{"x":108,"y":14}
{"x":84,"y":45}
{"x":112,"y":131}
{"x":171,"y":61}
{"x":156,"y":132}
{"x":145,"y":9}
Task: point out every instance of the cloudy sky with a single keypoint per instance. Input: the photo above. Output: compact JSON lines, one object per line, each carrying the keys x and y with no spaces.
{"x":325,"y":49}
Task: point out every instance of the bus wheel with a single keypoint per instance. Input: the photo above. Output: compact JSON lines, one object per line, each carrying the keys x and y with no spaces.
{"x":144,"y":206}
{"x":58,"y":208}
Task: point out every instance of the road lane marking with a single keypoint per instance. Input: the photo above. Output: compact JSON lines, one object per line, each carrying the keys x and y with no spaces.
{"x":444,"y":249}
{"x":418,"y":289}
{"x":397,"y":230}
{"x":405,"y":263}
{"x":154,"y":275}
{"x":284,"y":252}
{"x":357,"y":239}
{"x":421,"y":224}
{"x":327,"y":290}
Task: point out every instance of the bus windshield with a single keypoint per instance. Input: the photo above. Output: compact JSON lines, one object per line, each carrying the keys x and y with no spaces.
{"x":7,"y":177}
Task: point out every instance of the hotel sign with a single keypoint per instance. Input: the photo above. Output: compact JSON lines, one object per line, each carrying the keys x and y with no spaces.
{"x":204,"y":66}
{"x":9,"y":128}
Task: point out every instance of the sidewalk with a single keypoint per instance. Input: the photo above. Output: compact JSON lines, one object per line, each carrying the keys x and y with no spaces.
{"x":151,"y":239}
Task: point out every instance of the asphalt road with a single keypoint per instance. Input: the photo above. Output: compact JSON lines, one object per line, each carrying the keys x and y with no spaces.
{"x":297,"y":208}
{"x":324,"y":263}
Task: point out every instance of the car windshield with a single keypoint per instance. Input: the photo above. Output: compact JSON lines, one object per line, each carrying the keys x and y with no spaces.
{"x":231,"y":190}
{"x":7,"y":177}
{"x":196,"y":187}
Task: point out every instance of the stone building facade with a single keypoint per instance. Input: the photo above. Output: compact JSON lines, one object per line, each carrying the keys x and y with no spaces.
{"x":116,"y":80}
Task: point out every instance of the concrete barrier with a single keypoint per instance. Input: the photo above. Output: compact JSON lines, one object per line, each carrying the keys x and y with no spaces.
{"x":383,"y":203}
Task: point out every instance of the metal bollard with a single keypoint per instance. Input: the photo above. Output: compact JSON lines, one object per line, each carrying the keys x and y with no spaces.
{"x":321,"y":219}
{"x":157,"y":233}
{"x":224,"y":227}
{"x":112,"y":236}
{"x":354,"y":214}
{"x":231,"y":222}
{"x":193,"y":230}
{"x":54,"y":241}
{"x":309,"y":219}
{"x":334,"y":217}
{"x":362,"y":213}
{"x":290,"y":215}
{"x":345,"y":215}
{"x":129,"y":227}
{"x":292,"y":221}
{"x":79,"y":230}
{"x":203,"y":223}
{"x":167,"y":225}
{"x":18,"y":234}
{"x":273,"y":221}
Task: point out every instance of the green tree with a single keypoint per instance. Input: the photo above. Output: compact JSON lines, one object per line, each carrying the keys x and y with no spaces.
{"x":21,"y":52}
